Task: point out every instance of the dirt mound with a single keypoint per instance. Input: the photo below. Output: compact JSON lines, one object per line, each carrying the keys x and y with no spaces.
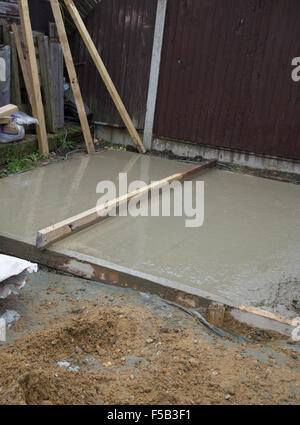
{"x":130,"y":355}
{"x":89,"y":333}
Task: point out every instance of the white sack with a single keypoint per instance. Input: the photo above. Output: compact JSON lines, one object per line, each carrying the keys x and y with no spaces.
{"x":13,"y":273}
{"x":12,"y":266}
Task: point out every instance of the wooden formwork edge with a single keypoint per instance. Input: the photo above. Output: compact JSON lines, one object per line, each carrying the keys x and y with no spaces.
{"x":97,"y":270}
{"x":266,"y":314}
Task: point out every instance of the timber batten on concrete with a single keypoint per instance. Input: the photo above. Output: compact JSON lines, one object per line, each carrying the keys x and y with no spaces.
{"x":73,"y":224}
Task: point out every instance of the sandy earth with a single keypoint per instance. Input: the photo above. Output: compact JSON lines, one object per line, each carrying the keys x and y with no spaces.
{"x":141,"y":353}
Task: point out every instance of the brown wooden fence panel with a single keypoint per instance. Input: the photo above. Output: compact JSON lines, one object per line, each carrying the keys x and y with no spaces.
{"x":226,"y":75}
{"x":123,"y":33}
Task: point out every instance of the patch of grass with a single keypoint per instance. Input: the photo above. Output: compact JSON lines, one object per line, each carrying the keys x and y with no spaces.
{"x":238,"y":168}
{"x":16,"y":165}
{"x":67,"y":145}
{"x":36,"y":156}
{"x":27,"y":162}
{"x":118,"y":148}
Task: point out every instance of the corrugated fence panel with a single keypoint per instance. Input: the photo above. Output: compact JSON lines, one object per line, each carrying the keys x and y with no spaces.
{"x":226,"y":75}
{"x":123,"y":33}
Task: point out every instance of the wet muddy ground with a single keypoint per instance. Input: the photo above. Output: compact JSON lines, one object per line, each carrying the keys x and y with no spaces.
{"x":80,"y":342}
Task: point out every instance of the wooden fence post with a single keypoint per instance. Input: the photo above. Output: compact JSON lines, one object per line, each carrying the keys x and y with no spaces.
{"x":46,"y":82}
{"x":37,"y":105}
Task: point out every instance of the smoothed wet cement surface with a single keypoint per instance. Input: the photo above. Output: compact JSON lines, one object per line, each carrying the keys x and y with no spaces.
{"x":247,"y":251}
{"x":36,"y":199}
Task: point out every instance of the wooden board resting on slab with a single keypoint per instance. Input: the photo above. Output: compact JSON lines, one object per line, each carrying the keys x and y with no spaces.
{"x":104,"y":74}
{"x":7,"y":110}
{"x":267,"y":314}
{"x":66,"y":227}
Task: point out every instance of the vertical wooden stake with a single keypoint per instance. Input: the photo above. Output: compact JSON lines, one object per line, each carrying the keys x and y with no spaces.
{"x":104,"y":74}
{"x":15,"y":76}
{"x":37,"y":104}
{"x":15,"y":90}
{"x":57,"y":74}
{"x":72,"y":75}
{"x":46,"y":81}
{"x":23,"y":63}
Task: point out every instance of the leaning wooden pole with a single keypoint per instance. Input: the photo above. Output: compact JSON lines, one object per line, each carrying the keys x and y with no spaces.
{"x":73,"y":224}
{"x":22,"y":63}
{"x":104,"y":74}
{"x":72,"y":75}
{"x":37,"y":104}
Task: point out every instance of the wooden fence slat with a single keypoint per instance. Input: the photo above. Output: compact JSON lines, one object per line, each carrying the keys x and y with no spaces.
{"x":46,"y":82}
{"x":24,"y":65}
{"x":16,"y":97}
{"x":15,"y":90}
{"x":57,"y":74}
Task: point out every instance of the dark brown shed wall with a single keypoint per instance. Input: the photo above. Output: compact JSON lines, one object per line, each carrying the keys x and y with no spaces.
{"x":123,"y":33}
{"x":226,"y":75}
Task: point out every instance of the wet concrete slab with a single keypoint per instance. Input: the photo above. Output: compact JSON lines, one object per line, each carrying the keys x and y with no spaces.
{"x":247,"y":251}
{"x":38,"y":198}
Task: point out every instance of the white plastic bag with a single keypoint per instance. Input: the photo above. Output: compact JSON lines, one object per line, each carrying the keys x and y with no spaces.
{"x":15,"y":131}
{"x":11,"y":132}
{"x":23,"y":119}
{"x":13,"y":274}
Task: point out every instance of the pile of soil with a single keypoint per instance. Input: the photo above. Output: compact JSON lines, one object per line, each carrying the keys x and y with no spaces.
{"x":128,"y":355}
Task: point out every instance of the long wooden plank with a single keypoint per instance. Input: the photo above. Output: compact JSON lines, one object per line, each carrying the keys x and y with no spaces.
{"x":64,"y":228}
{"x":37,"y":104}
{"x":6,"y":120}
{"x":104,"y":74}
{"x":8,"y":110}
{"x":267,"y":314}
{"x":72,"y":75}
{"x":22,"y":62}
